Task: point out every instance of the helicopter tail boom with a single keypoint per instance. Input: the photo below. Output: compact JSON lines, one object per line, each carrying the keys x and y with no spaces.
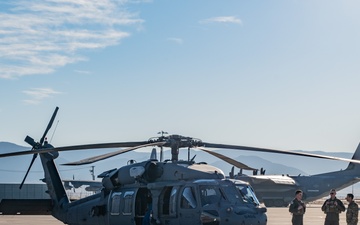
{"x":55,"y":186}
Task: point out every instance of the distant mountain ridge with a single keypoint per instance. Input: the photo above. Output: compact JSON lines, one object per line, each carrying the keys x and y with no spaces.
{"x":10,"y":147}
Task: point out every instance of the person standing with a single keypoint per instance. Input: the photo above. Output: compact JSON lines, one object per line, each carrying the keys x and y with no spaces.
{"x":297,"y":208}
{"x":352,"y":210}
{"x":332,"y":207}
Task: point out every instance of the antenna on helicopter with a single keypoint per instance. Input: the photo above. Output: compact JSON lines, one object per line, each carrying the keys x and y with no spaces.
{"x":162,"y":133}
{"x":231,"y":174}
{"x":188,"y":153}
{"x":161,"y":153}
{"x":161,"y":148}
{"x":92,"y":172}
{"x":262,"y":171}
{"x":57,"y":123}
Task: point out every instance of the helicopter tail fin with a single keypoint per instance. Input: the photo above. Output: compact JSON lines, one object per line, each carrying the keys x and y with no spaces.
{"x":355,"y":156}
{"x":54,"y":183}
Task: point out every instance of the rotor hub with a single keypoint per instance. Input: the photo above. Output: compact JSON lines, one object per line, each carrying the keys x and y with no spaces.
{"x":175,"y":142}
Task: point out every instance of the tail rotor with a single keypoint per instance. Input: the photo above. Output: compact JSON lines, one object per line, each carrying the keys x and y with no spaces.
{"x":38,"y":145}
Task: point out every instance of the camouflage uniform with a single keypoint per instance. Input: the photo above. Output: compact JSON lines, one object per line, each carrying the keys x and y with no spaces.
{"x":297,"y":214}
{"x":352,"y":213}
{"x":332,"y":211}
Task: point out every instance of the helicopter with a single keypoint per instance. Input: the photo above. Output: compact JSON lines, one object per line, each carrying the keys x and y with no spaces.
{"x":167,"y":192}
{"x":278,"y":190}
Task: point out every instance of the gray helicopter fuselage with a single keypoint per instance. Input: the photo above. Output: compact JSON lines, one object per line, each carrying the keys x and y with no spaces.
{"x":196,"y":202}
{"x":180,"y":193}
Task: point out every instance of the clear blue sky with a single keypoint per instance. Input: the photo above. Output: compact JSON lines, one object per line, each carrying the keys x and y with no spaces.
{"x":276,"y":74}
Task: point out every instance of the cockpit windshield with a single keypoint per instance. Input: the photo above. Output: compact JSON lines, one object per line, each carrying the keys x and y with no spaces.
{"x":188,"y":199}
{"x":229,"y":190}
{"x":210,"y":194}
{"x":247,"y":194}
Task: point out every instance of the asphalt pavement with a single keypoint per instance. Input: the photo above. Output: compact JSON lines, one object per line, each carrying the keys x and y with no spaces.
{"x":276,"y":216}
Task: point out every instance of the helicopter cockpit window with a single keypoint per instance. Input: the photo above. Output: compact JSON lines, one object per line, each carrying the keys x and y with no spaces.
{"x":128,"y":202}
{"x":247,"y":194}
{"x":115,"y":204}
{"x":210,"y":194}
{"x":188,"y":200}
{"x":173,"y":201}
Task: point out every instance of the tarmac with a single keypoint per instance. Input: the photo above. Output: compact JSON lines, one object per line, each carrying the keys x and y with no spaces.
{"x":312,"y":216}
{"x":276,"y":216}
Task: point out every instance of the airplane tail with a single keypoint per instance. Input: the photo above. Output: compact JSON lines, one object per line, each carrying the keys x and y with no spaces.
{"x":355,"y":156}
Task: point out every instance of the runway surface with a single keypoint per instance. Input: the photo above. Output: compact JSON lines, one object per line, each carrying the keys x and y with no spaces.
{"x":276,"y":216}
{"x":313,"y":216}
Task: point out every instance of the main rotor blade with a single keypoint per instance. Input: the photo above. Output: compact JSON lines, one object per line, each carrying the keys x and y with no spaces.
{"x":49,"y":125}
{"x":227,"y":159}
{"x":77,"y":147}
{"x":246,"y":148}
{"x":27,"y":172}
{"x":111,"y":154}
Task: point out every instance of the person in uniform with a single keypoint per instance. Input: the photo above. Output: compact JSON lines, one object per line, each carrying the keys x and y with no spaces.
{"x":352,"y":210}
{"x":332,"y":207}
{"x":297,"y":208}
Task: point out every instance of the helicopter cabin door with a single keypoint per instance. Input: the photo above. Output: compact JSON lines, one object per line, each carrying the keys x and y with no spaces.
{"x":121,"y":207}
{"x":189,"y":209}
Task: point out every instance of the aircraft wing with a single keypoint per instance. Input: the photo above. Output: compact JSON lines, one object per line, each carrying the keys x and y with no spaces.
{"x":274,"y":179}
